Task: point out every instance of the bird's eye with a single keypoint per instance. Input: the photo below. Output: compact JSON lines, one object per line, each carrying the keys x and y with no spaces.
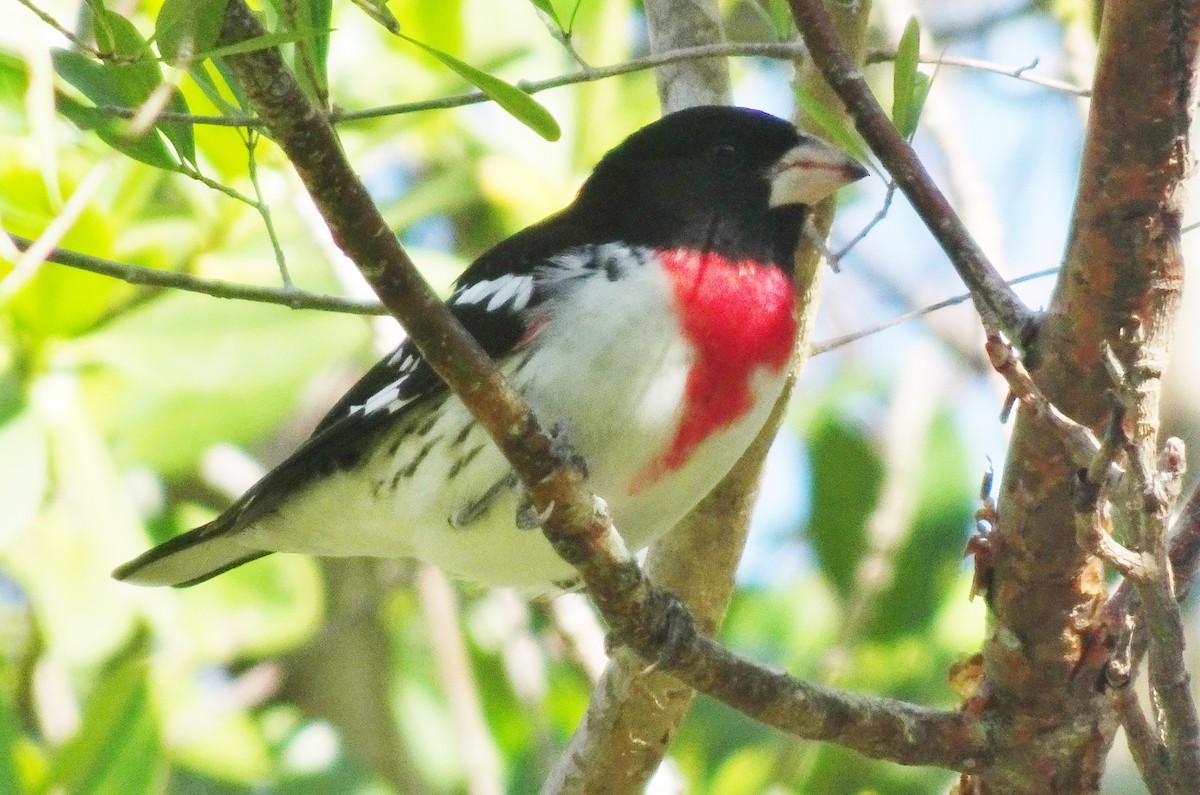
{"x":724,"y":155}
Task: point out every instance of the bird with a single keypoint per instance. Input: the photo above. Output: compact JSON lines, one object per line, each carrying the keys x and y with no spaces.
{"x":651,"y":322}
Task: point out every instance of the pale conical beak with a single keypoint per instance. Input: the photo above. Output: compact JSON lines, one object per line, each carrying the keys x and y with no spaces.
{"x":809,"y":172}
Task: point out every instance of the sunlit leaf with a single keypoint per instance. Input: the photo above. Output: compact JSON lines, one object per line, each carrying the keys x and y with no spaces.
{"x":225,"y":371}
{"x":831,"y":125}
{"x":116,"y":749}
{"x":846,"y":473}
{"x":523,"y":107}
{"x":62,"y":563}
{"x":186,"y":30}
{"x":312,"y":52}
{"x":14,"y":82}
{"x":58,"y":301}
{"x":909,"y":85}
{"x":10,"y":736}
{"x":547,"y":8}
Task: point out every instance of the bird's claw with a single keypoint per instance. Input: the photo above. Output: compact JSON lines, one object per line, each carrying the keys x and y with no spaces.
{"x":528,"y":517}
{"x":670,"y":637}
{"x":562,"y":449}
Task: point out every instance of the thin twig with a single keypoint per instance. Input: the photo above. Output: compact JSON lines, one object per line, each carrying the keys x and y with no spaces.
{"x":888,"y":198}
{"x":69,"y":35}
{"x":1080,"y":443}
{"x":1018,"y":72}
{"x":153,"y":277}
{"x":1170,"y":681}
{"x":36,"y":252}
{"x":787,"y":51}
{"x":303,"y":299}
{"x":1149,"y":754}
{"x":264,"y":210}
{"x":846,"y":339}
{"x":439,"y":604}
{"x":998,"y":305}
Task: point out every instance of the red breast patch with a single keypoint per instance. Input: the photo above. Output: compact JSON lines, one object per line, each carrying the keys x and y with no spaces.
{"x":739,"y":316}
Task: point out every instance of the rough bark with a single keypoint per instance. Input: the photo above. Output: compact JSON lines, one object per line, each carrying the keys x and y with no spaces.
{"x":1045,"y":648}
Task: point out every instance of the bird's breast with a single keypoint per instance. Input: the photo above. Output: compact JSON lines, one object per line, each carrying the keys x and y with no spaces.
{"x":648,"y":364}
{"x":738,"y":318}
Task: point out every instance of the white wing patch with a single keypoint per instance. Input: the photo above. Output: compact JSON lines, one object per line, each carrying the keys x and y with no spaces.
{"x":386,"y":399}
{"x":515,"y":291}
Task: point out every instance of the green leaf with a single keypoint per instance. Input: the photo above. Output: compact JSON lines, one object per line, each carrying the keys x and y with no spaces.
{"x":523,"y":107}
{"x":134,"y":69}
{"x":909,"y":85}
{"x":927,"y":566}
{"x":149,"y":149}
{"x":830,"y":125}
{"x":244,"y":364}
{"x":10,"y":736}
{"x":263,"y":42}
{"x":312,"y":52}
{"x":126,"y":81}
{"x":179,"y":134}
{"x":14,"y":84}
{"x":117,"y":749}
{"x":547,"y":8}
{"x":186,"y":30}
{"x":846,"y":476}
{"x":378,"y":11}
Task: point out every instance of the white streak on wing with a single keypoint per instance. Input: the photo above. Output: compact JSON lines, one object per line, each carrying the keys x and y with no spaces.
{"x":402,"y":360}
{"x":473,"y":294}
{"x":508,"y":288}
{"x":387,"y":398}
{"x":524,"y":294}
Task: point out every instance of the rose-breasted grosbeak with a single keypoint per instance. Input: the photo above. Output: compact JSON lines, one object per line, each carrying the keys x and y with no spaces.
{"x":653,"y":319}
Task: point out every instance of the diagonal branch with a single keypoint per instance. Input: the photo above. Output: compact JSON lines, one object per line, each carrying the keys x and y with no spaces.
{"x":997,"y":303}
{"x":651,"y":621}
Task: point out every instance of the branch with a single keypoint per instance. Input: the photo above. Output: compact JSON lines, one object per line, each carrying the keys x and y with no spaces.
{"x":784,"y":51}
{"x":1170,"y":682}
{"x":651,"y":621}
{"x":1017,"y":72}
{"x":846,"y":339}
{"x":153,"y":277}
{"x":1183,"y":551}
{"x":998,"y":305}
{"x":674,"y":24}
{"x":634,"y":713}
{"x":1078,"y":440}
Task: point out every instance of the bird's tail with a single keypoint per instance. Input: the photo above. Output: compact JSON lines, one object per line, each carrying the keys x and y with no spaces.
{"x":188,"y":559}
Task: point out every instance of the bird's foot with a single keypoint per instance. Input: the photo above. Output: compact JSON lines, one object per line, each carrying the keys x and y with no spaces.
{"x":562,"y":449}
{"x":670,"y":636}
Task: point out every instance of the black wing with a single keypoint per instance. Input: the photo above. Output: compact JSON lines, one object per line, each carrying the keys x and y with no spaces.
{"x":492,"y":299}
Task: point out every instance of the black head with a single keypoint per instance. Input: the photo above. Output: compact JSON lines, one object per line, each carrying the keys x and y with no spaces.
{"x":733,"y":180}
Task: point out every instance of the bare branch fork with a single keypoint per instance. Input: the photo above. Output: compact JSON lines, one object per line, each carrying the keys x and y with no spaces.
{"x":997,"y":304}
{"x":648,"y":619}
{"x":1123,"y":253}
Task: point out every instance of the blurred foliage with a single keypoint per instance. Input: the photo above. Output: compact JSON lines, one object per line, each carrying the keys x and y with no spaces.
{"x":116,"y":400}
